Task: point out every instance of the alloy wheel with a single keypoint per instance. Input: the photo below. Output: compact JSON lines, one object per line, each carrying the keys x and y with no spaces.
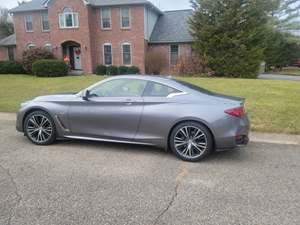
{"x":39,"y":128}
{"x":190,"y":142}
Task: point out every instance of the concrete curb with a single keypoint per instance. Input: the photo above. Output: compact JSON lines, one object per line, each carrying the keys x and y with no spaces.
{"x":7,"y":116}
{"x":284,"y":139}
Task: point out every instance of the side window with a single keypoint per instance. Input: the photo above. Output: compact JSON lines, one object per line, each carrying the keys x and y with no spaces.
{"x":68,"y":19}
{"x":126,"y":54}
{"x":125,"y":17}
{"x":158,"y":90}
{"x":174,"y":52}
{"x":106,"y":18}
{"x":107,"y":53}
{"x":45,"y":22}
{"x":120,"y":88}
{"x":28,"y":23}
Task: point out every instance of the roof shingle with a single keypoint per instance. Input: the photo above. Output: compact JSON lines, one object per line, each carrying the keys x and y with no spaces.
{"x":35,"y":5}
{"x":172,"y":27}
{"x":8,"y":41}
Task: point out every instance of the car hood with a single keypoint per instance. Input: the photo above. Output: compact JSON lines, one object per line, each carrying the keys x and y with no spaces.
{"x":56,"y":97}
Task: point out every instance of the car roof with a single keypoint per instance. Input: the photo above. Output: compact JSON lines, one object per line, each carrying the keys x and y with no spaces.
{"x":166,"y":80}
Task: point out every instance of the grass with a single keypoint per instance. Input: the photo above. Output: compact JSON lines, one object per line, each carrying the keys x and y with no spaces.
{"x":292,"y":71}
{"x":273,"y":106}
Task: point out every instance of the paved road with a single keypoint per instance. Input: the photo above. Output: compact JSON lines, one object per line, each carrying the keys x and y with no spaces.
{"x":278,"y":77}
{"x":83,"y":183}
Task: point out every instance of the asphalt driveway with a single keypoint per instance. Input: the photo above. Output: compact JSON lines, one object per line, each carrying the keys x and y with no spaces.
{"x":278,"y":77}
{"x":82,"y":183}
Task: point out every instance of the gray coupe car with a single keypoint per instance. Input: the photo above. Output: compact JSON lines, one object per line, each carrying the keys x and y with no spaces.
{"x":145,"y":110}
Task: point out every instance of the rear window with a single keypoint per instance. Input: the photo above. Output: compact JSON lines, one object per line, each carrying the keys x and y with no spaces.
{"x":158,"y":90}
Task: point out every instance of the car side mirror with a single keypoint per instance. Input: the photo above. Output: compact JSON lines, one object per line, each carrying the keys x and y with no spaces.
{"x":86,"y":95}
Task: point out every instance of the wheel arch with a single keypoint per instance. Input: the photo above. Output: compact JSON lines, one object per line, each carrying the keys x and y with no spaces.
{"x":31,"y":110}
{"x":194,"y":121}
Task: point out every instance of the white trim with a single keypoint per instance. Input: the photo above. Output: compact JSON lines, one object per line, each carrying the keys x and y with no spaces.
{"x":176,"y":94}
{"x":121,"y":18}
{"x":48,"y":46}
{"x":30,"y":46}
{"x":101,"y":18}
{"x":75,"y":17}
{"x":103,"y":55}
{"x":126,"y":43}
{"x":25,"y":23}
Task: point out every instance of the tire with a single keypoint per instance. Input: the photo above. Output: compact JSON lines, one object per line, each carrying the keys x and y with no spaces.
{"x":191,"y":141}
{"x":39,"y":128}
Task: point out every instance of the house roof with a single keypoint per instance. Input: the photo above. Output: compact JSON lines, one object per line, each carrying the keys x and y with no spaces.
{"x":172,"y":27}
{"x":8,"y":41}
{"x":35,"y":5}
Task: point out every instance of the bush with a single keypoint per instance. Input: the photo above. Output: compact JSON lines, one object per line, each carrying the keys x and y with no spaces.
{"x":101,"y":70}
{"x":123,"y":70}
{"x":50,"y":68}
{"x":191,"y":65}
{"x":133,"y":70}
{"x":112,"y":70}
{"x":11,"y":67}
{"x":155,"y":63}
{"x":32,"y":55}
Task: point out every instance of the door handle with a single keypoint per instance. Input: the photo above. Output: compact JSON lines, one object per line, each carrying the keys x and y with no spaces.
{"x":128,"y":102}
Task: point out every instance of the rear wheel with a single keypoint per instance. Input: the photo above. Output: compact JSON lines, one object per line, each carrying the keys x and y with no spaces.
{"x":40,"y":128}
{"x":191,"y":141}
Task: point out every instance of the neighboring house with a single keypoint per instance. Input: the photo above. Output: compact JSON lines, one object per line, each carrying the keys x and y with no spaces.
{"x":94,"y":32}
{"x":8,"y":48}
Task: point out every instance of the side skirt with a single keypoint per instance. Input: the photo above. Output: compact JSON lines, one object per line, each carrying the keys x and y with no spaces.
{"x":107,"y":140}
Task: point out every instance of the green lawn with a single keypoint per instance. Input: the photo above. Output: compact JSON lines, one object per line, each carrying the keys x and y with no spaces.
{"x":273,"y":106}
{"x":293,"y":71}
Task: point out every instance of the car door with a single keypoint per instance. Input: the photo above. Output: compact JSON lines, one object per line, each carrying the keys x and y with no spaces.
{"x":113,"y":110}
{"x":158,"y":112}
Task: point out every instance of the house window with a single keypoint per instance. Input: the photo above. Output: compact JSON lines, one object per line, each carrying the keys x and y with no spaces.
{"x":48,"y":47}
{"x":126,"y":53}
{"x":106,"y":18}
{"x":45,"y":22}
{"x":11,"y":53}
{"x":31,"y":46}
{"x":68,"y":19}
{"x":125,"y":17}
{"x":28,"y":23}
{"x":174,"y":51}
{"x":107,"y":53}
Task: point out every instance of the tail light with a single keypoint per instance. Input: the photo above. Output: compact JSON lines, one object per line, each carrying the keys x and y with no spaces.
{"x":236,"y":112}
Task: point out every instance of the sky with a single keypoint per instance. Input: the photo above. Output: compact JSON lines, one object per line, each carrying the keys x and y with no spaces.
{"x":162,"y":4}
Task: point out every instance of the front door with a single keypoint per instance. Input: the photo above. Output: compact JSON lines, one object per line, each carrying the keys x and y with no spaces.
{"x":77,"y":58}
{"x":113,"y":111}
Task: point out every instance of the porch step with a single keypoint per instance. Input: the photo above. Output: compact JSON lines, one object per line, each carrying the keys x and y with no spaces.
{"x":76,"y":72}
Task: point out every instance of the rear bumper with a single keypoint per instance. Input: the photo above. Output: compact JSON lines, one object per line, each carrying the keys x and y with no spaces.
{"x":236,"y":136}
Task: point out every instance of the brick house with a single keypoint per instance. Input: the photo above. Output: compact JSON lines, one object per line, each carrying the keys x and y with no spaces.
{"x":94,"y":32}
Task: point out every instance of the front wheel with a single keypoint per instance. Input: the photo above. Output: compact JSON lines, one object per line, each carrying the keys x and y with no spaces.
{"x":39,"y":128}
{"x":191,"y":141}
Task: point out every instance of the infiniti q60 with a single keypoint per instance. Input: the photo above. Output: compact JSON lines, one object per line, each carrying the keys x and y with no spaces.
{"x":146,"y":110}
